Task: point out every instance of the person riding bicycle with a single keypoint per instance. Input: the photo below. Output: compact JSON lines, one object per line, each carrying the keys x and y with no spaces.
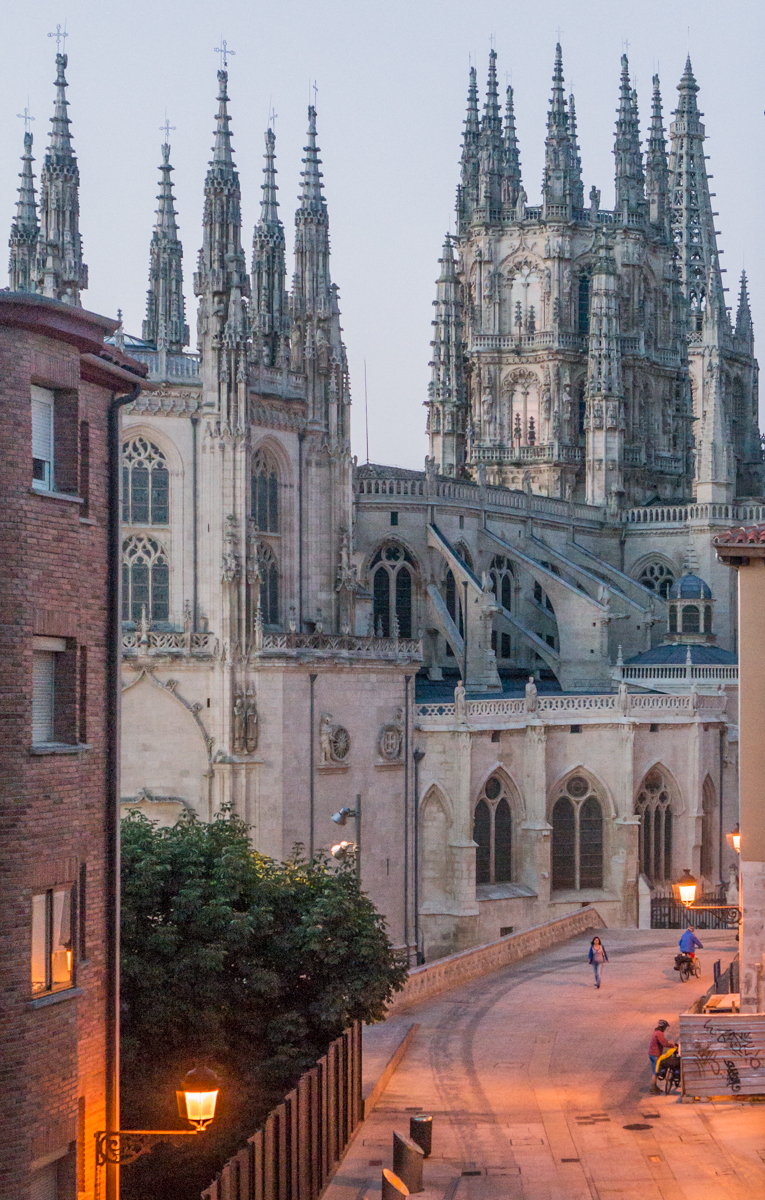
{"x":689,"y":943}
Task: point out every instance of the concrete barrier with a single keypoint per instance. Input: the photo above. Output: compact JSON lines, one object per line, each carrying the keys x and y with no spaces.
{"x":433,"y":978}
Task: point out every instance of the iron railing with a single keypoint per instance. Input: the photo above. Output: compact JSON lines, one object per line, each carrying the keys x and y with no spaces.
{"x":304,"y":1137}
{"x":669,"y":913}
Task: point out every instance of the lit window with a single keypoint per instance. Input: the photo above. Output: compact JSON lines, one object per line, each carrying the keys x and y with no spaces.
{"x":52,"y":944}
{"x":42,"y":438}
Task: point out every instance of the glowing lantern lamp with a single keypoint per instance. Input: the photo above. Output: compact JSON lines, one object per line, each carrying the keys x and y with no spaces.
{"x":198,"y":1096}
{"x":736,"y":839}
{"x":686,"y":886}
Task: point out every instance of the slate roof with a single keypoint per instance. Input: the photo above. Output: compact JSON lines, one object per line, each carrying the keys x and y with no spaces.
{"x":677,"y":652}
{"x":690,"y":587}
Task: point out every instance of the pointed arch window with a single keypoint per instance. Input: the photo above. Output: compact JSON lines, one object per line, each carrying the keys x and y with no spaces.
{"x":264,"y":501}
{"x":392,"y":570}
{"x":453,"y":606}
{"x":145,"y":580}
{"x":657,"y":577}
{"x":145,"y":484}
{"x":269,"y":585}
{"x":654,"y":807}
{"x":577,"y":837}
{"x":584,"y":304}
{"x":493,"y":833}
{"x":502,"y":577}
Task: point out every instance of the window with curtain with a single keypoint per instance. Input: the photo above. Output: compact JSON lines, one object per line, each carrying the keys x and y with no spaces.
{"x":392,"y":571}
{"x":264,"y":493}
{"x":145,"y":484}
{"x":493,"y":833}
{"x":145,"y":580}
{"x":577,"y":837}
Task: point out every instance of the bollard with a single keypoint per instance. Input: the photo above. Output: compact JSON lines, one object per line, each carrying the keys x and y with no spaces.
{"x":421,"y":1132}
{"x":407,"y":1162}
{"x":392,"y":1187}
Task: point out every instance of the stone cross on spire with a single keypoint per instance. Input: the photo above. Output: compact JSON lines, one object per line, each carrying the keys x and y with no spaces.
{"x":60,"y":35}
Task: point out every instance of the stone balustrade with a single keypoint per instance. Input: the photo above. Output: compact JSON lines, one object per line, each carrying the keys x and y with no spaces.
{"x":573,"y":709}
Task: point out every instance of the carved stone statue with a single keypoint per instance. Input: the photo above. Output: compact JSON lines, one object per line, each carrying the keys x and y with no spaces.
{"x":325,"y":737}
{"x":623,"y":701}
{"x":459,"y":702}
{"x":240,"y":719}
{"x":531,"y":701}
{"x":251,"y":725}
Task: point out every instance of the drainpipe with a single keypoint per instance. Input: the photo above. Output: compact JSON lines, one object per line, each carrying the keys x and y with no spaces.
{"x":301,"y":435}
{"x":112,"y":806}
{"x":720,"y":807}
{"x":418,"y":756}
{"x":407,"y":681}
{"x":311,"y":792}
{"x":194,"y":526}
{"x":464,"y":633}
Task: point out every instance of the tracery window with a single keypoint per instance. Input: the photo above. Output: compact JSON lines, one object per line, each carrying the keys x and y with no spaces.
{"x":657,"y":577}
{"x":145,"y":484}
{"x":264,"y":501}
{"x":493,"y":834}
{"x":653,"y":806}
{"x":392,"y":585}
{"x":145,"y":580}
{"x":577,"y":837}
{"x":269,"y":585}
{"x":502,"y":577}
{"x":584,"y":304}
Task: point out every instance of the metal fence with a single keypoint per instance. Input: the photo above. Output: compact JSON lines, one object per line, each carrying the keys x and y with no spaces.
{"x":304,"y":1137}
{"x":669,"y":913}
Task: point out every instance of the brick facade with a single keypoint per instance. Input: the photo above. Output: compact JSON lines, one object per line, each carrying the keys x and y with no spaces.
{"x":53,"y":585}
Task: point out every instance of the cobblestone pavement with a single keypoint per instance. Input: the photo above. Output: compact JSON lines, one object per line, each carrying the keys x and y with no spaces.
{"x":532,"y":1076}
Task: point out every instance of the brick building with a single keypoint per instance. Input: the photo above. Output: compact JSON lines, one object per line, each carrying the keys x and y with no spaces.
{"x":57,"y":382}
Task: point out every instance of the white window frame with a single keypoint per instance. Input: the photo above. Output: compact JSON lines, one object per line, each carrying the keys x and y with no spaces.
{"x":43,"y":403}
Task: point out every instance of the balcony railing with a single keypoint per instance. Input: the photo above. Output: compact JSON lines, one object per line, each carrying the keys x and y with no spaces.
{"x":564,"y":709}
{"x":156,"y":642}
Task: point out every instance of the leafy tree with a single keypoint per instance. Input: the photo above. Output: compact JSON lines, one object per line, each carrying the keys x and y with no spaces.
{"x":234,"y":961}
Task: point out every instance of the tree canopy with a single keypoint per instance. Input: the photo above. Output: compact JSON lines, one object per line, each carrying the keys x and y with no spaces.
{"x":238,"y":962}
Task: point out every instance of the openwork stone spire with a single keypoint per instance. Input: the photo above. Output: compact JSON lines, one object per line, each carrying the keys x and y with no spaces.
{"x":512,"y":182}
{"x":559,"y":179}
{"x":165,"y":325}
{"x":692,"y":219}
{"x":25,"y":228}
{"x":467,"y":192}
{"x":578,"y":188}
{"x":447,"y":394}
{"x":657,"y":168}
{"x":630,"y":181}
{"x":59,"y":270}
{"x":270,"y":315}
{"x":221,"y":280}
{"x":491,"y":150}
{"x":744,"y":327}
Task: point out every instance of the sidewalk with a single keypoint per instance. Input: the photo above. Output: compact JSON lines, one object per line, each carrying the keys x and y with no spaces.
{"x":532,"y":1075}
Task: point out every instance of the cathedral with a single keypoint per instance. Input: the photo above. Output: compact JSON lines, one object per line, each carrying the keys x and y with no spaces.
{"x":516,"y":669}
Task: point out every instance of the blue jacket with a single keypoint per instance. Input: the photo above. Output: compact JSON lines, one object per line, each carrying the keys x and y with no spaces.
{"x":689,"y":942}
{"x":590,"y":955}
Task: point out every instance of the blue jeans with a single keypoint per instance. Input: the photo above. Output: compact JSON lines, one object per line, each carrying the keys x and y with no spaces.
{"x":654,"y":1059}
{"x":596,"y":968}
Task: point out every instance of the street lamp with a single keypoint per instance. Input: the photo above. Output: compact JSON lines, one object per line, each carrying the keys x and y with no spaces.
{"x":197,"y":1098}
{"x":735,"y":837}
{"x":729,"y":914}
{"x":344,"y":849}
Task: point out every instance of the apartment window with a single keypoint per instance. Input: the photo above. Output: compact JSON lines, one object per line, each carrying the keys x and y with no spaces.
{"x":42,"y":438}
{"x":52,"y":946}
{"x":54,"y":691}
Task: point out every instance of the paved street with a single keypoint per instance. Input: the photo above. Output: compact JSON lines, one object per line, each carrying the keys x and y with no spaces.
{"x":532,"y":1075}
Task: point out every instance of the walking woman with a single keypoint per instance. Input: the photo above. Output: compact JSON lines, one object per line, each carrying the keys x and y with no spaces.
{"x":597,"y":957}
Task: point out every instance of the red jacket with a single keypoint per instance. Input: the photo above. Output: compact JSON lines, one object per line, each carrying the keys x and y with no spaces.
{"x":658,"y":1043}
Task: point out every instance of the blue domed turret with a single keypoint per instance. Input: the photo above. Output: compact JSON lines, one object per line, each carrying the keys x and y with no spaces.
{"x":690,"y":587}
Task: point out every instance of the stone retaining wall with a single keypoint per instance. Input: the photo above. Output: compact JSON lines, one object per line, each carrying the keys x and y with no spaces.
{"x":429,"y":980}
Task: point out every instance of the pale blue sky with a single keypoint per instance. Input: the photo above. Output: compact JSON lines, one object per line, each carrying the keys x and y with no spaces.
{"x":392,"y":80}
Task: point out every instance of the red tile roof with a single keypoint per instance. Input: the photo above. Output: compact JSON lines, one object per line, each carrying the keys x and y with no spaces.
{"x":750,"y":535}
